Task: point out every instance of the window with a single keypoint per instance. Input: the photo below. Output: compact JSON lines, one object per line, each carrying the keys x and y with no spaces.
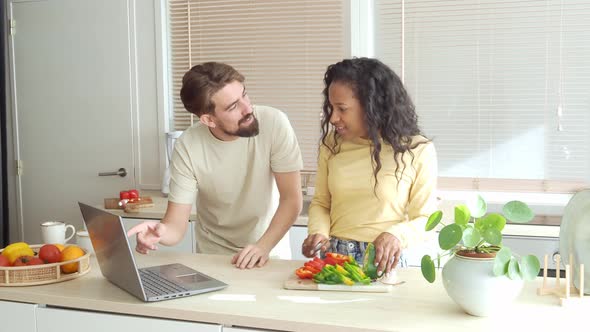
{"x":503,"y":87}
{"x":282,"y":47}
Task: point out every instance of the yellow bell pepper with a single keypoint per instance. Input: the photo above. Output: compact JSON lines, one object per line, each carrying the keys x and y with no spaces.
{"x":16,"y":250}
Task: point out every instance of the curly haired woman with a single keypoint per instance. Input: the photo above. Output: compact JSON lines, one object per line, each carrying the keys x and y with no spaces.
{"x":376,"y":173}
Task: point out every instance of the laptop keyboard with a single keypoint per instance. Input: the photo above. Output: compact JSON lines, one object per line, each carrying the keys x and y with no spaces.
{"x":157,"y":284}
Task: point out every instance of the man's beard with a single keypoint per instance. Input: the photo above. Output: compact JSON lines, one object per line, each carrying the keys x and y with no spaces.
{"x":250,"y":131}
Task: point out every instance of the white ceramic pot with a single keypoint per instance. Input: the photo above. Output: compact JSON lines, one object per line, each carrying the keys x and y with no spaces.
{"x":471,"y":283}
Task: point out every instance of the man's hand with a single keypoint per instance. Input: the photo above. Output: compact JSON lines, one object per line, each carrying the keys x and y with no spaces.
{"x":252,"y":255}
{"x":149,"y":234}
{"x":387,"y":252}
{"x":309,"y":246}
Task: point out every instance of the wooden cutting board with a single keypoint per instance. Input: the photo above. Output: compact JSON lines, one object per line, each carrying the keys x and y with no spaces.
{"x":113,"y":203}
{"x":308,"y":284}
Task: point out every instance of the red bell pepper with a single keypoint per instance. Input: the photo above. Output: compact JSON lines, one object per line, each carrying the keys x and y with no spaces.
{"x":315,"y":264}
{"x":336,"y":259}
{"x":304,"y":273}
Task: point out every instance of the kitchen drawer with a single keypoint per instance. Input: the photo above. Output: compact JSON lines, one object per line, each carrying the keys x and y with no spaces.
{"x":66,"y":320}
{"x":17,"y":316}
{"x":538,"y":246}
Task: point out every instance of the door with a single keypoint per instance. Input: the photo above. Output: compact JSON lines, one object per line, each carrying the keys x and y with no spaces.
{"x":72,"y":75}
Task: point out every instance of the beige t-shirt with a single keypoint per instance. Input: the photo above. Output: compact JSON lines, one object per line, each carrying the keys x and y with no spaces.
{"x":237,"y":194}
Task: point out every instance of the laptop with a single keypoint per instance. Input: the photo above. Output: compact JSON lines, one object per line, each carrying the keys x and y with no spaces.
{"x":117,"y":264}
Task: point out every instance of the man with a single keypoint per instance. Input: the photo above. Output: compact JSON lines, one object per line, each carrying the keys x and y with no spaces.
{"x":232,"y":158}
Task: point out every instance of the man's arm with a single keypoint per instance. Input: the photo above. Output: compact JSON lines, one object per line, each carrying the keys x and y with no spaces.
{"x":176,"y":221}
{"x":290,"y":205}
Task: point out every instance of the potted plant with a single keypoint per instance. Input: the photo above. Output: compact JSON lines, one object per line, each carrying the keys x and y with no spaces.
{"x":481,"y":274}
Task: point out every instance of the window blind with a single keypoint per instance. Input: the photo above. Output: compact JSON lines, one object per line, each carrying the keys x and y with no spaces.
{"x":282,"y":47}
{"x":503,"y":87}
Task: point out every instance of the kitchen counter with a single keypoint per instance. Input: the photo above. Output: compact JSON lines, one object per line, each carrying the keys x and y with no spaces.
{"x":255,"y":298}
{"x":161,"y":202}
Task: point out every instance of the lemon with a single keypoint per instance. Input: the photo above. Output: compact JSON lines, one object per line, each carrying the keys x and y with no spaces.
{"x":68,"y":254}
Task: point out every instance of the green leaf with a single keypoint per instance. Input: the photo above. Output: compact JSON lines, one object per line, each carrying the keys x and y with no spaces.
{"x":513,"y":269}
{"x":502,"y":260}
{"x":530,"y":267}
{"x":449,"y":236}
{"x":492,"y":220}
{"x":462,"y":214}
{"x":480,"y":208}
{"x":492,"y":236}
{"x":427,"y":267}
{"x":517,"y":211}
{"x":433,"y":220}
{"x":471,"y":237}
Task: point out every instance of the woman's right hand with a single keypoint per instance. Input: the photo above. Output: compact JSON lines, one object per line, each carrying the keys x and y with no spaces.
{"x":309,"y":246}
{"x":149,"y":234}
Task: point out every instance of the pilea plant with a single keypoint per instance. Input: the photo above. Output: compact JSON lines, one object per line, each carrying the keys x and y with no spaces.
{"x":477,"y":234}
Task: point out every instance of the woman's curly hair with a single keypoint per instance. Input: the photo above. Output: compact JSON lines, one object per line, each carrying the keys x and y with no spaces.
{"x":388,"y":109}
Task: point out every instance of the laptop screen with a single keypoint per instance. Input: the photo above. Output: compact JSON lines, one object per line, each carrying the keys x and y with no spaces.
{"x":112,"y":250}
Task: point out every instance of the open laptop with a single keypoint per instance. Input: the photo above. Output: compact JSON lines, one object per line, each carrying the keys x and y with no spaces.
{"x":117,"y":264}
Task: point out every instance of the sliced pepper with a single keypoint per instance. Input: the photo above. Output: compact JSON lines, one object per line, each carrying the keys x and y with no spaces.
{"x":333,"y":258}
{"x":342,"y":271}
{"x":316,"y":263}
{"x":304,"y":273}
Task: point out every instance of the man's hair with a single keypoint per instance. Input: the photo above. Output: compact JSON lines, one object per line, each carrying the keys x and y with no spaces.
{"x":202,"y":81}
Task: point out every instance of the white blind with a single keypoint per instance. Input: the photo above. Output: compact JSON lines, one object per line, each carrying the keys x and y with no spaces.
{"x":503,"y":87}
{"x":282,"y":47}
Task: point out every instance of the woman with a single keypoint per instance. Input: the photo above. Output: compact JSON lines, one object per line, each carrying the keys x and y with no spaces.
{"x":376,"y":172}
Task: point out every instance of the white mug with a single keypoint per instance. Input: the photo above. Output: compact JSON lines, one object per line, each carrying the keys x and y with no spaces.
{"x":83,"y":241}
{"x":54,"y":232}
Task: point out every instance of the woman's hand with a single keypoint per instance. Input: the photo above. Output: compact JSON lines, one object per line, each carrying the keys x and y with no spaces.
{"x":309,"y":246}
{"x":387,"y":252}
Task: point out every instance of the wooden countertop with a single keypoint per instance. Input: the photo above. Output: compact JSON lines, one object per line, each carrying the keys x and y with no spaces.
{"x":161,"y":202}
{"x":255,"y":298}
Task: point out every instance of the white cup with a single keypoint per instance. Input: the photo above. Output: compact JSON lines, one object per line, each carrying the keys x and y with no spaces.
{"x":53,"y":232}
{"x":83,"y":241}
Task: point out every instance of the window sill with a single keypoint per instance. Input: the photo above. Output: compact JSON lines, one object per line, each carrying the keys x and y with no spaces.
{"x":542,"y":204}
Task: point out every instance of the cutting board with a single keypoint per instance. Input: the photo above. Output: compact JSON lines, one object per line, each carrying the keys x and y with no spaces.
{"x":308,"y":284}
{"x":113,"y":203}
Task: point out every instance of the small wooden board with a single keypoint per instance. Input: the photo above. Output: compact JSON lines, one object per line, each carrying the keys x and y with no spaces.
{"x":308,"y":284}
{"x":113,"y":203}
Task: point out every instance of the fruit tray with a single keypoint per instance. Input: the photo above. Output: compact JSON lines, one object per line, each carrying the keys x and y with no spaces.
{"x":32,"y":275}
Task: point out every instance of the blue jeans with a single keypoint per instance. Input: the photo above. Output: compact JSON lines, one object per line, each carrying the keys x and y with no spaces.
{"x":355,"y":249}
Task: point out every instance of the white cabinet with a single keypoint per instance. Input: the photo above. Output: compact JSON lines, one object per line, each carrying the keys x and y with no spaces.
{"x":413,"y":254}
{"x":243,"y":329}
{"x":186,"y":245}
{"x":296,"y":236}
{"x":66,"y":320}
{"x":17,"y":316}
{"x":538,"y":246}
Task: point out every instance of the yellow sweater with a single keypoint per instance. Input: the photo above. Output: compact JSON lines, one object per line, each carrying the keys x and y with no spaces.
{"x":345,"y":205}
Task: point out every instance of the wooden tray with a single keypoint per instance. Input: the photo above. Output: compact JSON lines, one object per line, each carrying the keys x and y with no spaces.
{"x":113,"y":203}
{"x":308,"y":284}
{"x":42,"y":274}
